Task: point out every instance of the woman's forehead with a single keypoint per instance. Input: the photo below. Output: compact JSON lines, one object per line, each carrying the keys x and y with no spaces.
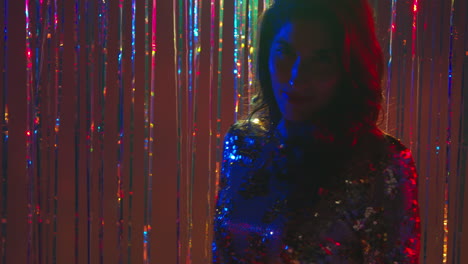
{"x":305,"y":35}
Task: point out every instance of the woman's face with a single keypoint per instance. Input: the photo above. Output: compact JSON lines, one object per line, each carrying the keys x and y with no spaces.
{"x":304,"y":69}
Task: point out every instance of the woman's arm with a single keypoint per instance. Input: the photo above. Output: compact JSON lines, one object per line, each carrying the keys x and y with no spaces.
{"x":401,"y":208}
{"x":223,"y":204}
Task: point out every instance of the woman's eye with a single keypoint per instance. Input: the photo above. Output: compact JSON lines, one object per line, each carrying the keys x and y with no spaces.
{"x":283,"y":50}
{"x":323,"y":58}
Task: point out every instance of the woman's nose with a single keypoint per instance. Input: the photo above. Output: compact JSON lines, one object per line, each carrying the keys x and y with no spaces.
{"x":298,"y":73}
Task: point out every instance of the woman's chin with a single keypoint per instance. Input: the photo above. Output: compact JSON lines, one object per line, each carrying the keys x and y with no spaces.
{"x":296,"y":118}
{"x":296,"y":115}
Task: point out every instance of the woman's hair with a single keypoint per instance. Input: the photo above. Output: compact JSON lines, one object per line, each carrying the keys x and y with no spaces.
{"x":355,"y":107}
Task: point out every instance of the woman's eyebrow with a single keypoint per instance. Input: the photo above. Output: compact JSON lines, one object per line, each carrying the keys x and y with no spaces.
{"x":319,"y":52}
{"x":281,"y":41}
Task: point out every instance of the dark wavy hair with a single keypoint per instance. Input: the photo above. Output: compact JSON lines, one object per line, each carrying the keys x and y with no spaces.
{"x":357,"y":104}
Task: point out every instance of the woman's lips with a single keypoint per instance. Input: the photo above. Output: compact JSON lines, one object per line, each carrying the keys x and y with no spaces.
{"x":296,"y":98}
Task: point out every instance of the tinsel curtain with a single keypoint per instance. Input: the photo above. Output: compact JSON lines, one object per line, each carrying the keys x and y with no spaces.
{"x":113,"y":112}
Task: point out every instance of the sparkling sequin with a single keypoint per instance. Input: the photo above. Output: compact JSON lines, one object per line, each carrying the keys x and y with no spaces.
{"x":274,"y":208}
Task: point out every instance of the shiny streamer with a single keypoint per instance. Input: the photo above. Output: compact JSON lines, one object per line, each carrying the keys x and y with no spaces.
{"x":151,"y":102}
{"x":194,"y":18}
{"x":439,"y":157}
{"x":103,"y":20}
{"x":30,"y":129}
{"x":34,"y":60}
{"x":462,"y":158}
{"x":239,"y":56}
{"x":89,"y":16}
{"x":401,"y":88}
{"x":29,"y":136}
{"x":251,"y":46}
{"x":4,"y":127}
{"x":219,"y":93}
{"x":132,"y":132}
{"x":190,"y":122}
{"x":150,"y":64}
{"x":462,"y":162}
{"x":211,"y":95}
{"x":389,"y":63}
{"x":120,"y":131}
{"x":48,"y":120}
{"x":438,"y":148}
{"x":218,"y":144}
{"x":57,"y":111}
{"x":37,"y":181}
{"x":448,"y":175}
{"x":76,"y":72}
{"x":425,"y":178}
{"x":178,"y":8}
{"x":425,"y":211}
{"x":187,"y":48}
{"x":414,"y":67}
{"x":147,"y":216}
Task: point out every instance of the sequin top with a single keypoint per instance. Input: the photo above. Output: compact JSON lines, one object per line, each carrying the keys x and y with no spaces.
{"x":280,"y":203}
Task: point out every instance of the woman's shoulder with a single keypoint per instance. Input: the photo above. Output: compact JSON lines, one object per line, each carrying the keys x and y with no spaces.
{"x":249,"y":127}
{"x":400,"y":174}
{"x":397,"y":150}
{"x":246,"y":132}
{"x":394,"y":143}
{"x":391,"y":155}
{"x":378,"y":143}
{"x":401,"y":203}
{"x":244,"y":142}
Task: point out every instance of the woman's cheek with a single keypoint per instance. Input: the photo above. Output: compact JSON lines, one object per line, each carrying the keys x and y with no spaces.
{"x":280,"y":69}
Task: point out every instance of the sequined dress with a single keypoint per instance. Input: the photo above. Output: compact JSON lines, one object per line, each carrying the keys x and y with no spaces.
{"x":292,"y":203}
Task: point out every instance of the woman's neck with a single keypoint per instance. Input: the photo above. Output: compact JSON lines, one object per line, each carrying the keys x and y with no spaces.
{"x":296,"y":130}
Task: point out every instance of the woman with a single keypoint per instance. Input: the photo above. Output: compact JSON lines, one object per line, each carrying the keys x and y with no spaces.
{"x":308,"y":177}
